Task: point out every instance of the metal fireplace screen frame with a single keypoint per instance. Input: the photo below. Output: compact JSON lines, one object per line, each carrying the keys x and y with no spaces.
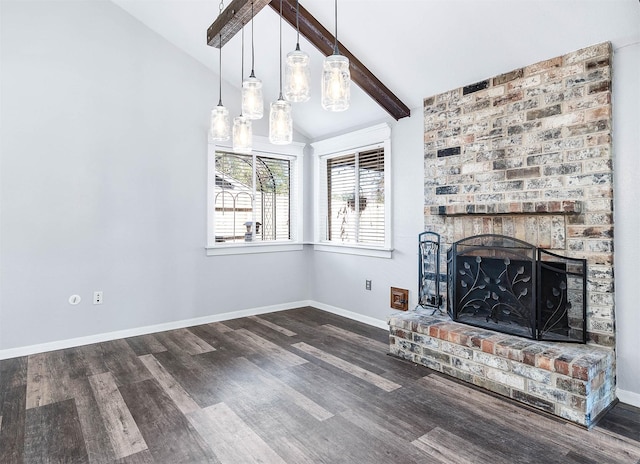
{"x":508,"y":285}
{"x":429,"y":271}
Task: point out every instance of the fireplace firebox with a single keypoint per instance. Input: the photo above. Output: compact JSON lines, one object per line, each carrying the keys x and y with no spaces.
{"x":508,"y":285}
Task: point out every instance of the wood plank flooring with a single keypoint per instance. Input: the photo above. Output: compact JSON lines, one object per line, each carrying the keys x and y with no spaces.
{"x":299,"y":386}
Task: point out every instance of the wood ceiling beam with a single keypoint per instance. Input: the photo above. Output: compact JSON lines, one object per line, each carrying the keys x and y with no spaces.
{"x":239,"y":12}
{"x":231,"y":20}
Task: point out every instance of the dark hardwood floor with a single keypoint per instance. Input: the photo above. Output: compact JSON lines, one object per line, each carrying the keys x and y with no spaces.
{"x":299,"y":386}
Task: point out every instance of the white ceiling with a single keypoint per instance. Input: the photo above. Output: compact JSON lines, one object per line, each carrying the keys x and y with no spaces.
{"x":417,"y":48}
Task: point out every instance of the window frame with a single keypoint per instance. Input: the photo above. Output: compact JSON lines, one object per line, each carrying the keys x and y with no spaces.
{"x":261,"y":147}
{"x":374,"y":137}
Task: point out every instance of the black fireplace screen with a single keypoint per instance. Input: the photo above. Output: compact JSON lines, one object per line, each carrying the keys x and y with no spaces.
{"x":505,"y":284}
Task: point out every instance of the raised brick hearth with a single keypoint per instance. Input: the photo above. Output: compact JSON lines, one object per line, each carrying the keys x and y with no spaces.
{"x":575,"y":382}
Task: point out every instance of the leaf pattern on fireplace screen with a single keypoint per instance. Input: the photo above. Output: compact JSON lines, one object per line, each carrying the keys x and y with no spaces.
{"x":559,"y":307}
{"x":556,"y":306}
{"x":506,"y":297}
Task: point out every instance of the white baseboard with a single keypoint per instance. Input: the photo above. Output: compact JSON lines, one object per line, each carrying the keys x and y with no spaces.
{"x":103,"y":337}
{"x":350,"y":315}
{"x":628,"y":397}
{"x":108,"y":336}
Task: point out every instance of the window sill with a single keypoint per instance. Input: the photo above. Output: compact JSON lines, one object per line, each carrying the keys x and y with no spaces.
{"x":250,"y":248}
{"x":359,"y":250}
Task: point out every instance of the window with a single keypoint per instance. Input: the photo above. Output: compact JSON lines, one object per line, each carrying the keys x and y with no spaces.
{"x":253,"y":201}
{"x":355,"y":190}
{"x":352,"y":190}
{"x":252,"y":198}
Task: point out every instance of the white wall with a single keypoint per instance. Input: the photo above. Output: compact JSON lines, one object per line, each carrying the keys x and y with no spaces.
{"x":626,"y":147}
{"x":103,"y":181}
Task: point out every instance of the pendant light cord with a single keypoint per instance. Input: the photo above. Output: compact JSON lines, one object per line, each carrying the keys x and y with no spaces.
{"x":242,"y":54}
{"x":297,"y":25}
{"x":280,"y":97}
{"x":252,"y":51}
{"x":221,"y":7}
{"x":242,"y":64}
{"x":335,"y":10}
{"x":220,"y":71}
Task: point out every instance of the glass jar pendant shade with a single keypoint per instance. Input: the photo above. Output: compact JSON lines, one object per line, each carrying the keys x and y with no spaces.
{"x":220,"y":125}
{"x":336,"y":83}
{"x":280,"y":119}
{"x":336,"y":77}
{"x":220,"y":128}
{"x":252,"y":101}
{"x":297,"y":76}
{"x":242,"y":135}
{"x":280,"y":123}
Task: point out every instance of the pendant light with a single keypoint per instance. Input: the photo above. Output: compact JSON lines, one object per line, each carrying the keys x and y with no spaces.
{"x":297,"y":76}
{"x":220,"y":126}
{"x":336,"y":78}
{"x":242,"y":133}
{"x":252,"y":102}
{"x":280,"y":121}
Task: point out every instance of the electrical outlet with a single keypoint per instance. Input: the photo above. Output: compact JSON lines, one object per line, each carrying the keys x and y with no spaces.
{"x":97,"y":297}
{"x":367,"y":285}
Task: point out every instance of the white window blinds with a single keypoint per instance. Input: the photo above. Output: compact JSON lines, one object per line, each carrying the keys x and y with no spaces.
{"x":356,"y":206}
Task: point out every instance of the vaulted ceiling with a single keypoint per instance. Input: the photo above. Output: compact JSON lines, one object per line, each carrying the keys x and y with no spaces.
{"x":417,"y":48}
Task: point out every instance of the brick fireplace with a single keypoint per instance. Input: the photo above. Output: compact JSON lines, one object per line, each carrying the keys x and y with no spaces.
{"x":526,"y":154}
